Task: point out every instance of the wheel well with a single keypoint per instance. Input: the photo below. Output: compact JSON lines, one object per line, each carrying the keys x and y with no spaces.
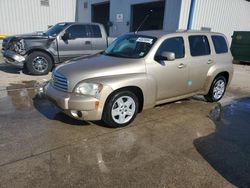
{"x":134,"y":89}
{"x":44,"y":51}
{"x":225,"y":74}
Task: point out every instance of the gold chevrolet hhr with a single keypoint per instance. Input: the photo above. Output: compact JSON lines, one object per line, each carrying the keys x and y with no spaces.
{"x":139,"y":71}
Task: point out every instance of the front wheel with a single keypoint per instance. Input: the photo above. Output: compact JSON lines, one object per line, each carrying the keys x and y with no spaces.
{"x":217,"y":89}
{"x":120,"y":109}
{"x":39,"y":63}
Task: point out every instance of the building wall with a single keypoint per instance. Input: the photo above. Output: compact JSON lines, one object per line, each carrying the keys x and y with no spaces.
{"x":122,"y":7}
{"x":84,"y":14}
{"x":223,"y":16}
{"x":116,"y":7}
{"x":172,"y":15}
{"x":23,"y":16}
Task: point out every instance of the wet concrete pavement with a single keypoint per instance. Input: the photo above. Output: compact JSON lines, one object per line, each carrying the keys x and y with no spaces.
{"x":228,"y":149}
{"x":189,"y":143}
{"x":182,"y":144}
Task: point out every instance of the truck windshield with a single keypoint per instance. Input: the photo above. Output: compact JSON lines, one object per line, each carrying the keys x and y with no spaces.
{"x":130,"y":46}
{"x":56,"y":29}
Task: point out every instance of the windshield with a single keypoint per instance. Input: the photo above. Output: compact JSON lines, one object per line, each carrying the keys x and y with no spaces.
{"x":130,"y":46}
{"x":56,"y":29}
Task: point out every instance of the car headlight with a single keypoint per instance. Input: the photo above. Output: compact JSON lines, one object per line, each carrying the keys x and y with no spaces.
{"x":92,"y":89}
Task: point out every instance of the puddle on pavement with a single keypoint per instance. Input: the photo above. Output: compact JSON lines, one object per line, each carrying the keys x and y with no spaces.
{"x":227,"y":150}
{"x":19,"y":96}
{"x":28,"y":96}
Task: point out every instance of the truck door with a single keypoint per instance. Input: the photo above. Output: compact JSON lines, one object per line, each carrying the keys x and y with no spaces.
{"x":77,"y":43}
{"x":99,"y":38}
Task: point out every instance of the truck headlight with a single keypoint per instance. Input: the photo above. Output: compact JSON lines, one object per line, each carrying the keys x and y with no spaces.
{"x":92,"y":89}
{"x":17,"y":46}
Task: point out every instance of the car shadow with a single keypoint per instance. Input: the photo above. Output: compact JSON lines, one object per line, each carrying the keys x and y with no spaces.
{"x":227,"y":150}
{"x":4,"y":67}
{"x":242,"y":63}
{"x":51,"y":112}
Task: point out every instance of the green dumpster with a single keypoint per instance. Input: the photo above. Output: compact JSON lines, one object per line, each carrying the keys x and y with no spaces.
{"x":240,"y":46}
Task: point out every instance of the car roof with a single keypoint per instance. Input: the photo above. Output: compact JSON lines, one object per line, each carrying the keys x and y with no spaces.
{"x":71,"y":23}
{"x":158,"y":34}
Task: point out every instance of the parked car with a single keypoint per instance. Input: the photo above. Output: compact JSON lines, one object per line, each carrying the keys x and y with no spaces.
{"x":39,"y":52}
{"x":139,"y":71}
{"x":240,"y":46}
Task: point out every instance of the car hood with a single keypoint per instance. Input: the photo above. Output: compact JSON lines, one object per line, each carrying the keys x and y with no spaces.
{"x":98,"y":66}
{"x":36,"y":35}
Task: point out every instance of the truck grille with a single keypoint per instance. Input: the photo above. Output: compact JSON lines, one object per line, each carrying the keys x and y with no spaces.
{"x":59,"y":81}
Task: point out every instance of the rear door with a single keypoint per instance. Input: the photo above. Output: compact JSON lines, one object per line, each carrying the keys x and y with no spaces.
{"x":78,"y":44}
{"x":199,"y":61}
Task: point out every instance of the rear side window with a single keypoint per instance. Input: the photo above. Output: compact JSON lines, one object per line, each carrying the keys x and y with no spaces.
{"x":220,"y":44}
{"x":77,"y":31}
{"x":95,"y":31}
{"x":199,"y":45}
{"x":175,"y":45}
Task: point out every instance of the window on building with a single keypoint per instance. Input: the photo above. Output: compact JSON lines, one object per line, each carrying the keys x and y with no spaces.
{"x":77,"y":31}
{"x":220,"y":44}
{"x":199,"y":45}
{"x":175,"y":45}
{"x":44,"y":3}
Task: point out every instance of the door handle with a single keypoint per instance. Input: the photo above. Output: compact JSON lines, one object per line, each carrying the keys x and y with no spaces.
{"x":87,"y":42}
{"x":181,"y":66}
{"x":209,"y":61}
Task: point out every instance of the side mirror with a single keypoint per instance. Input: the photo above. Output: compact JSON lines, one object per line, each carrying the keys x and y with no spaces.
{"x":166,"y":56}
{"x":65,"y":36}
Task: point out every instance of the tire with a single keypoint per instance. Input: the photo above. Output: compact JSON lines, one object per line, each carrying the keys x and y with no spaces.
{"x":117,"y":115}
{"x":39,"y":63}
{"x":217,"y":89}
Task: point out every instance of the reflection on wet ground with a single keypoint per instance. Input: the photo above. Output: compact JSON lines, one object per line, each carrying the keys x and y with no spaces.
{"x":228,"y":149}
{"x":18,"y":96}
{"x":41,"y":146}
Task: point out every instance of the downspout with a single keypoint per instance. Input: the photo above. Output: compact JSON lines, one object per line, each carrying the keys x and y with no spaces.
{"x":191,"y":14}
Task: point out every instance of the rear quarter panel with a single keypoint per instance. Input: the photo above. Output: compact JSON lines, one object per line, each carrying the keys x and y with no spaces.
{"x":222,"y":63}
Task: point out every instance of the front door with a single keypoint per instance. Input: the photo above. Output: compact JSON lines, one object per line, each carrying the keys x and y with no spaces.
{"x":171,"y":76}
{"x":77,"y":44}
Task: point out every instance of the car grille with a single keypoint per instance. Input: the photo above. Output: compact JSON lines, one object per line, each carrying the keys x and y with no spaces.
{"x":60,"y":82}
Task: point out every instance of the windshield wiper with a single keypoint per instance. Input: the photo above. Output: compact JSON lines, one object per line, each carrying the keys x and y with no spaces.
{"x":111,"y":54}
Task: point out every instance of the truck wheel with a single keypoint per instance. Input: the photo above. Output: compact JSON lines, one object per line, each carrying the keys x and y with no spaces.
{"x":217,"y":89}
{"x":39,"y":63}
{"x":120,"y":109}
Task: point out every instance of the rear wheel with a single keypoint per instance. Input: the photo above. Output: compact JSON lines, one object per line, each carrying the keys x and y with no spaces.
{"x":217,"y":89}
{"x":120,"y":109}
{"x":39,"y":63}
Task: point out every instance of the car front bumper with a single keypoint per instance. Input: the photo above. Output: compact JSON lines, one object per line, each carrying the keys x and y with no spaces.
{"x":77,"y":106}
{"x":11,"y":57}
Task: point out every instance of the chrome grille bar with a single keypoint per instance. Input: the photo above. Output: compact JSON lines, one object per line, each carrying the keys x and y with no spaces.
{"x":60,"y":82}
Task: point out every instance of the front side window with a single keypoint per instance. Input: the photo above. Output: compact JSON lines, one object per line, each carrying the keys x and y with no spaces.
{"x":77,"y":31}
{"x":199,"y":45}
{"x":131,"y":46}
{"x":175,"y":45}
{"x":220,"y":44}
